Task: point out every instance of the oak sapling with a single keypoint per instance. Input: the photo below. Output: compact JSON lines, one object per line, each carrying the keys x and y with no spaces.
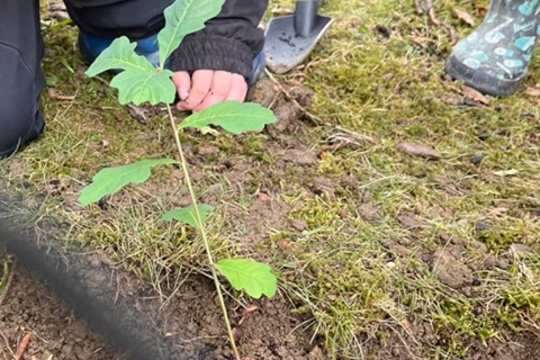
{"x":138,"y":81}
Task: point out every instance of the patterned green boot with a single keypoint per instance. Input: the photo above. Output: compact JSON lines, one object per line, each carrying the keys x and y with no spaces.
{"x":494,"y":58}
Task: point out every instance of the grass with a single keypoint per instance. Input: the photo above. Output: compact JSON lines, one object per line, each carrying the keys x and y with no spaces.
{"x":360,"y":277}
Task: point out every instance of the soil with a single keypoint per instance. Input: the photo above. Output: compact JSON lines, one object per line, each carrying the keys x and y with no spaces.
{"x":97,"y":311}
{"x":189,"y":327}
{"x":136,"y":324}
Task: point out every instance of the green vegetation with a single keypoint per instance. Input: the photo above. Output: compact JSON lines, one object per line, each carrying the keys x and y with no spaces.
{"x":374,"y":242}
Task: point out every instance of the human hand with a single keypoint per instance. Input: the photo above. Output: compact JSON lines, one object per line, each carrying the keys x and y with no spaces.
{"x":208,"y":87}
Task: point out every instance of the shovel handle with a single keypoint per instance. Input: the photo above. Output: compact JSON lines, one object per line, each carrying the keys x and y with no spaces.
{"x":305,"y":15}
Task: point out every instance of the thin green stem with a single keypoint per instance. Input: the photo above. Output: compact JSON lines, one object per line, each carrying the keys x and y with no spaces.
{"x":202,"y":230}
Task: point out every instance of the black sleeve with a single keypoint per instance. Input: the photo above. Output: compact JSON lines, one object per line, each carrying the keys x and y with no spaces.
{"x":229,"y":41}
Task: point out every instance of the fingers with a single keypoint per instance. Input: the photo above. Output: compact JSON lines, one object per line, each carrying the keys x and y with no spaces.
{"x":239,"y":88}
{"x":220,"y":88}
{"x":201,"y":81}
{"x":208,"y":87}
{"x":182,"y":82}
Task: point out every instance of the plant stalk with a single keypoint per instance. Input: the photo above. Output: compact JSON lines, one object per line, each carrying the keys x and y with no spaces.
{"x":202,"y":231}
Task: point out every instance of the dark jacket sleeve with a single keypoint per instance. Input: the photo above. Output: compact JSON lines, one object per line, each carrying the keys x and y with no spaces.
{"x":229,"y":42}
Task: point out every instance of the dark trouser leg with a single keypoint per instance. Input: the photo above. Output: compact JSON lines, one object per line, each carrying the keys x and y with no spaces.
{"x":21,"y":81}
{"x":102,"y":21}
{"x":113,"y":18}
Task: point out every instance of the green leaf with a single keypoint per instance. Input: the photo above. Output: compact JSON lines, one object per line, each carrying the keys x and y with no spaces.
{"x":187,"y":214}
{"x":254,"y":277}
{"x":182,"y":18}
{"x":139,"y":81}
{"x":233,"y":116}
{"x":120,"y":55}
{"x":138,"y":86}
{"x":109,"y":180}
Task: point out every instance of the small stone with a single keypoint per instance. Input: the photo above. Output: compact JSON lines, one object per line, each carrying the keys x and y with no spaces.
{"x":383,"y":31}
{"x":299,"y":224}
{"x":477,"y":159}
{"x":482,"y":226}
{"x":483,"y":135}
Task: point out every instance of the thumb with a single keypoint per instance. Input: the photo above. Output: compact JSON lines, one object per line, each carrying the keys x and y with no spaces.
{"x":182,"y":82}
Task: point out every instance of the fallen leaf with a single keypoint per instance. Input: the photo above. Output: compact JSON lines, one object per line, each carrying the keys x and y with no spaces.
{"x":57,"y":95}
{"x":418,"y":149}
{"x":465,"y":16}
{"x":282,"y":10}
{"x":506,"y":172}
{"x":532,"y":91}
{"x":208,"y":130}
{"x":251,"y":308}
{"x":474,"y":94}
{"x":499,"y":211}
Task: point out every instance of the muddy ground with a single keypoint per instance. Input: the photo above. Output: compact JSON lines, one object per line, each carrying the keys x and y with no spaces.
{"x":188,"y":328}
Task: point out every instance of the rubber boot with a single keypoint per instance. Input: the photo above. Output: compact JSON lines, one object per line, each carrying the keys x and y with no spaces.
{"x":495,"y":57}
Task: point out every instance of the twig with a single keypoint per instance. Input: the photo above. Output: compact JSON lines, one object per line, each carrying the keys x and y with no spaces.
{"x":101,"y":80}
{"x":3,"y":336}
{"x":22,"y":346}
{"x":8,"y":282}
{"x":317,"y":120}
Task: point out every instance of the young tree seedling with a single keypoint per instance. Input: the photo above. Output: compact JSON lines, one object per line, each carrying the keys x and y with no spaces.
{"x":139,"y":81}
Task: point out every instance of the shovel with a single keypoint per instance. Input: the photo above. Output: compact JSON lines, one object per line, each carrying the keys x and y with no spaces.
{"x":290,"y":39}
